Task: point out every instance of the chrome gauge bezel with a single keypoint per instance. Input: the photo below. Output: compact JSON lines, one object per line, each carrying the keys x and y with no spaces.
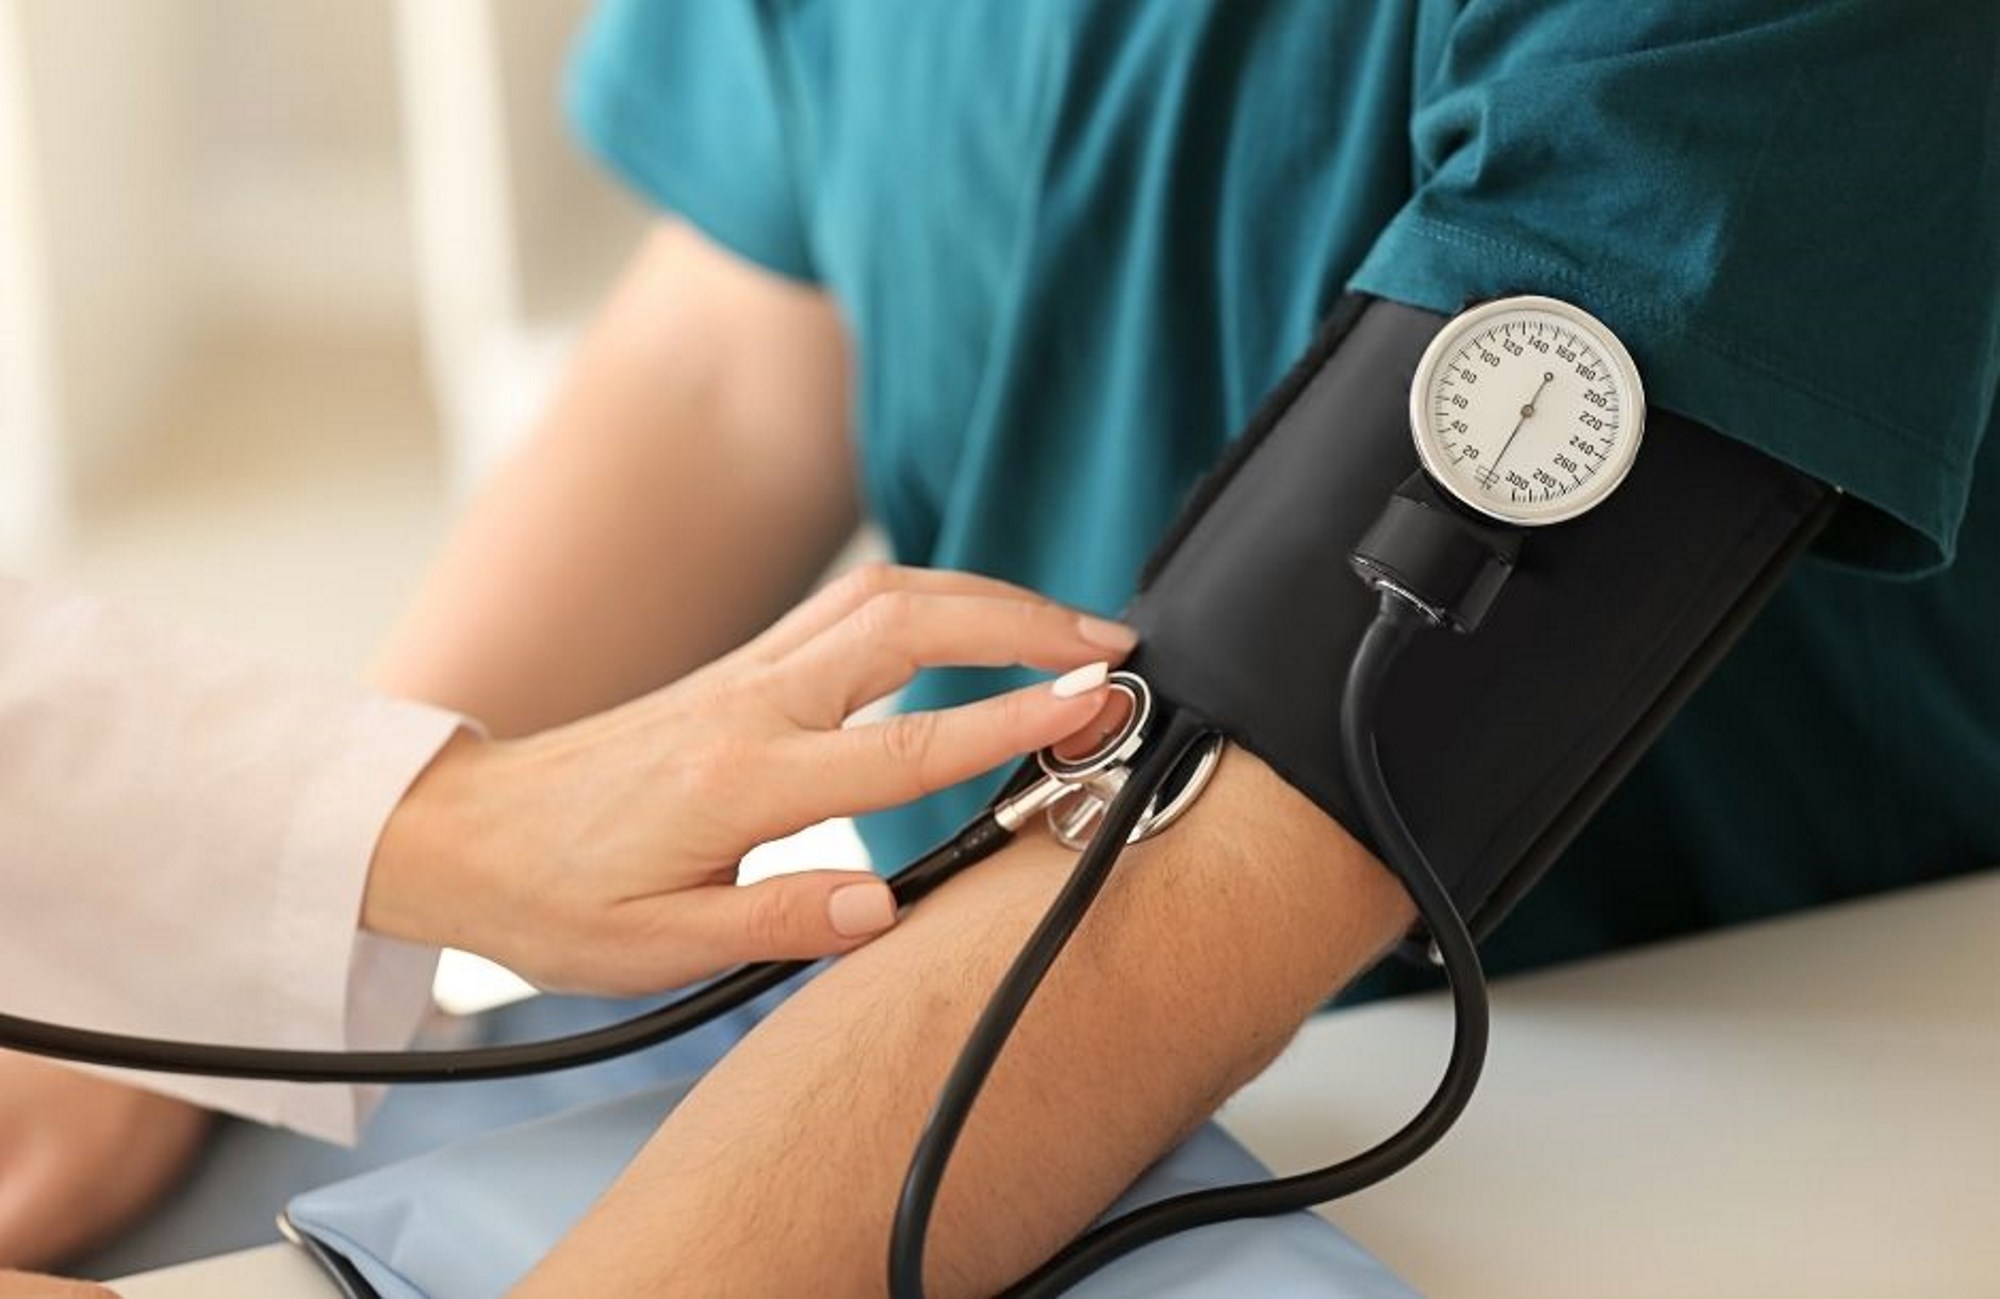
{"x":1605,"y":480}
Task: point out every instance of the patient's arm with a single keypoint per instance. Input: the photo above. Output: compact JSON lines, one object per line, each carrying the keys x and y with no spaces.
{"x":691,"y":479}
{"x":1209,"y":947}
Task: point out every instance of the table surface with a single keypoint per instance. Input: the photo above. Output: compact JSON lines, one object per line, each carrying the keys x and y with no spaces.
{"x":1808,"y":1107}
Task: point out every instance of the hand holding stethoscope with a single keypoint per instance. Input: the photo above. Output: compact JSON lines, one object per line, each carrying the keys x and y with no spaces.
{"x":602,"y":856}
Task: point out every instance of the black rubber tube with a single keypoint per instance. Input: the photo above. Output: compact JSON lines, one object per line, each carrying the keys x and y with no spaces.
{"x":1380,"y":645}
{"x":979,"y":840}
{"x":1016,"y":989}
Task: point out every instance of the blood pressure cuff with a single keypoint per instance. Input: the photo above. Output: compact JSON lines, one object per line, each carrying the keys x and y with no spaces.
{"x":1500,"y":744}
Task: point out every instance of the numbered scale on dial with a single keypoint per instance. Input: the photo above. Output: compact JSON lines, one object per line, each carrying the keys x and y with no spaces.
{"x":1527,"y":409}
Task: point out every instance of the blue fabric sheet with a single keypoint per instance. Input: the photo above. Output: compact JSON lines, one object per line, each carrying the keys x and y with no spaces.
{"x":469,"y":1220}
{"x":249,"y":1172}
{"x":458,"y":1189}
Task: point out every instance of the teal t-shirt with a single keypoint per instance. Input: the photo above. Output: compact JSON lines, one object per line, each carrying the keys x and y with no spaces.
{"x":1075,"y":242}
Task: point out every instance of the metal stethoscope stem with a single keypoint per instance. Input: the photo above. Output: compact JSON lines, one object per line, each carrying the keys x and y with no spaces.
{"x":1075,"y":788}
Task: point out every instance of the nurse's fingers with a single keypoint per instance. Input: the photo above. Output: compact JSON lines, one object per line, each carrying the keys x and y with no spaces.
{"x":800,"y":916}
{"x":840,"y":598}
{"x":883,"y":643}
{"x":888,"y":763}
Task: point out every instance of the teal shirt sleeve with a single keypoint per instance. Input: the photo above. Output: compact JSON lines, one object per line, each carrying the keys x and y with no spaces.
{"x":717,"y":72}
{"x":1791,"y":213}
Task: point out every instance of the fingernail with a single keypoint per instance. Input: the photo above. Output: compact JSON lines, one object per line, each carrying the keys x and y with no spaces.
{"x":1080,"y":682}
{"x":858,"y":910}
{"x":1104,"y":632}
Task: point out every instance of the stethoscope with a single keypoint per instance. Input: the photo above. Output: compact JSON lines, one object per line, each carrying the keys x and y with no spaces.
{"x":1132,"y":777}
{"x":1138,"y":776}
{"x":1073,"y":786}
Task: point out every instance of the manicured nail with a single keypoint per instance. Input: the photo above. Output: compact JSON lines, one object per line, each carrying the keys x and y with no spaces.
{"x":858,"y":910}
{"x":1080,"y":682}
{"x":1104,"y":632}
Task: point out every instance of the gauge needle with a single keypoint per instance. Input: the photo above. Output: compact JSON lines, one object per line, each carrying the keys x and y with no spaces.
{"x":1527,"y":409}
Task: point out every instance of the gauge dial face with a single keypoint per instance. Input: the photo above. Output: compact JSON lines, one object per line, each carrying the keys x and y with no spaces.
{"x":1527,"y":409}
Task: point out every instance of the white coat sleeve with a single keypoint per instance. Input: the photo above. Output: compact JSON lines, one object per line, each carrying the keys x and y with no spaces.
{"x":185,"y":835}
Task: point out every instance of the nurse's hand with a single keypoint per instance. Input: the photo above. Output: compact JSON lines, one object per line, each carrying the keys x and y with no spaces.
{"x":602,"y":856}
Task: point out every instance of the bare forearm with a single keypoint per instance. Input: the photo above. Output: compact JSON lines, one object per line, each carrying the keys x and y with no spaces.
{"x":687,"y":485}
{"x":779,"y":1173}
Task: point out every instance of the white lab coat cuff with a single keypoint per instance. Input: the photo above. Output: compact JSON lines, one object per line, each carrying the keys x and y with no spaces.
{"x":185,"y":837}
{"x":333,"y":985}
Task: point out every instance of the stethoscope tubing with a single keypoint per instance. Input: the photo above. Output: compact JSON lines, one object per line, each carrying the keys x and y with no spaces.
{"x":980,"y":839}
{"x":1458,"y":955}
{"x":948,"y":1116}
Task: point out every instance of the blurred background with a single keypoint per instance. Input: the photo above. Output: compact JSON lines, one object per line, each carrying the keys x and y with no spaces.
{"x":278,"y":283}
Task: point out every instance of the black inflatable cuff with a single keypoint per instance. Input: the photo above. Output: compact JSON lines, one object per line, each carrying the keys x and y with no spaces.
{"x":1499,"y":745}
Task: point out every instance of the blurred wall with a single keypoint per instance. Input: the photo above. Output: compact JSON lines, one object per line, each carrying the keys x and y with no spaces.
{"x":572,"y":227}
{"x":518,"y":235}
{"x":180,"y":176}
{"x":298,"y":203}
{"x":31,"y":478}
{"x":174,"y":173}
{"x":96,"y":227}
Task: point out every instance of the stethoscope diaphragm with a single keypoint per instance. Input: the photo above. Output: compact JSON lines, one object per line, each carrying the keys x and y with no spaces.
{"x":1078,"y":784}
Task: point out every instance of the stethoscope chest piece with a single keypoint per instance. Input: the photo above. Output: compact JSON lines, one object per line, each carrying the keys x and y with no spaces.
{"x":1085,"y":782}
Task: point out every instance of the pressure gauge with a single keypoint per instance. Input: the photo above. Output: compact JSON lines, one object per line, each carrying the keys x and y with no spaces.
{"x":1527,"y":409}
